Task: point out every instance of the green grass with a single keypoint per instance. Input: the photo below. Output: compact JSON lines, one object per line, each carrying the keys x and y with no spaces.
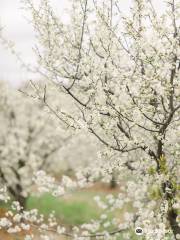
{"x":76,"y":209}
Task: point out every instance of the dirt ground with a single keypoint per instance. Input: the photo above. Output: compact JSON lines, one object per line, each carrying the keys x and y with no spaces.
{"x":6,"y":236}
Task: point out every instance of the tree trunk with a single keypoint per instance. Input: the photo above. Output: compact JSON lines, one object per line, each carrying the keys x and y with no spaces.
{"x":22,"y":201}
{"x":172,"y":214}
{"x":17,"y":196}
{"x":113,"y":182}
{"x":172,"y":217}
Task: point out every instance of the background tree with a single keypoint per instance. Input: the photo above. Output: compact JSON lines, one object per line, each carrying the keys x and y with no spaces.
{"x":32,"y":139}
{"x":29,"y":141}
{"x":122,"y":72}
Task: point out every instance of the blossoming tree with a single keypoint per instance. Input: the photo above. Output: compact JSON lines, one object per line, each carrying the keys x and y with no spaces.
{"x":32,"y":139}
{"x":122,"y":73}
{"x":29,"y":141}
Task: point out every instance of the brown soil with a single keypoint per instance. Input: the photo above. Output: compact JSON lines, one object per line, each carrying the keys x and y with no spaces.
{"x":103,"y":187}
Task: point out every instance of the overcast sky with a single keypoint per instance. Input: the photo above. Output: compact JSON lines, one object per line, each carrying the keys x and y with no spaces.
{"x":18,"y":30}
